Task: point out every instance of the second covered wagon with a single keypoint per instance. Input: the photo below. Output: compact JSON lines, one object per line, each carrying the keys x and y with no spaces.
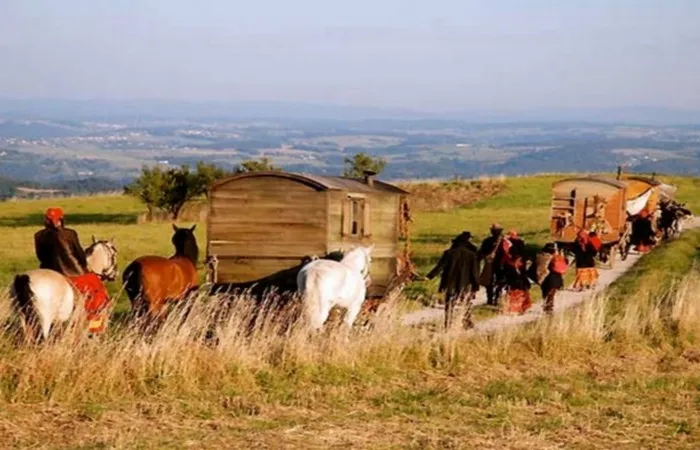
{"x":265,"y":223}
{"x":590,"y":203}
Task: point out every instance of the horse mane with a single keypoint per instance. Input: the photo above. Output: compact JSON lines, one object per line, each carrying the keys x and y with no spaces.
{"x":356,"y":254}
{"x":186,"y":246}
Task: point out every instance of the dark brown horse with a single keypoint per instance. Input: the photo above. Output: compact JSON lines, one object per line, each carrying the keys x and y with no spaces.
{"x":153,"y":281}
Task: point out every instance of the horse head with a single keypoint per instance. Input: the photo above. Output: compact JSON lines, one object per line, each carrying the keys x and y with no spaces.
{"x":101,"y":258}
{"x":185,"y":243}
{"x":359,"y":259}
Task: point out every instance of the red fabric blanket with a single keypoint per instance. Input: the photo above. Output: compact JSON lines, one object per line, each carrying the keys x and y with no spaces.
{"x":96,"y":299}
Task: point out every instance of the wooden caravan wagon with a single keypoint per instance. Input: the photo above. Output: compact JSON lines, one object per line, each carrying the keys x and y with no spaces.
{"x":592,"y":204}
{"x":263,"y":223}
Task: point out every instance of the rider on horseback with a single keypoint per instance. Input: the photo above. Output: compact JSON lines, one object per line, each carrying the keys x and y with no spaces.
{"x":58,"y":248}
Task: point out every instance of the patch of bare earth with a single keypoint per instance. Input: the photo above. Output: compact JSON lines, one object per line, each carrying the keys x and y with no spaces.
{"x":448,"y":195}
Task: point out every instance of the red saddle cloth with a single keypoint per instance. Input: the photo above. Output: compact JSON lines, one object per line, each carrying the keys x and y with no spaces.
{"x":96,"y":300}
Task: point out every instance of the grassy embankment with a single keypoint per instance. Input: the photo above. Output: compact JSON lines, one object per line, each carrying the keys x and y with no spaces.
{"x":620,"y":372}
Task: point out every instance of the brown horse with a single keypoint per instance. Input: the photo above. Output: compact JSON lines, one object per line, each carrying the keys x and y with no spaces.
{"x":153,"y":281}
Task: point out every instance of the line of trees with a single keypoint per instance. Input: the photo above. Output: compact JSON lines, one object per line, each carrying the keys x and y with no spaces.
{"x":169,"y":189}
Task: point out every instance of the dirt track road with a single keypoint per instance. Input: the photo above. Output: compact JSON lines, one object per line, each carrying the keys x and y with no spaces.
{"x":565,"y":300}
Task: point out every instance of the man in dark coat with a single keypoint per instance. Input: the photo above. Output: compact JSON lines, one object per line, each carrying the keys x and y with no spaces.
{"x":58,"y":248}
{"x":643,"y":236}
{"x":492,"y":254}
{"x":459,"y":277}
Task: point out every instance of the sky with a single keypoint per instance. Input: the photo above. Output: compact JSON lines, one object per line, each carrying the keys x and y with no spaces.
{"x":428,"y":55}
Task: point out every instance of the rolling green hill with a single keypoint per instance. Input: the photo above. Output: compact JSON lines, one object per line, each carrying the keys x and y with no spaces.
{"x":619,"y":371}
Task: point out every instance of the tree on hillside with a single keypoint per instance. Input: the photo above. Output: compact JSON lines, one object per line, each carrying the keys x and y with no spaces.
{"x":149,"y":188}
{"x":253,"y":165}
{"x":209,"y":173}
{"x":356,"y":166}
{"x":170,"y":189}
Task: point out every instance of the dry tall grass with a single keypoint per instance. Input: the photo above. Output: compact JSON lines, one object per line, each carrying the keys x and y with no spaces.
{"x":579,"y":379}
{"x":181,"y":358}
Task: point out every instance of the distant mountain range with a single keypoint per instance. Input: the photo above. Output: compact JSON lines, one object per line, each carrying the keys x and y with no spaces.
{"x":192,"y":110}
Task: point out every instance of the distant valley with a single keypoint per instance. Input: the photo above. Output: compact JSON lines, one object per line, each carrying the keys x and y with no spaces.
{"x":50,"y":150}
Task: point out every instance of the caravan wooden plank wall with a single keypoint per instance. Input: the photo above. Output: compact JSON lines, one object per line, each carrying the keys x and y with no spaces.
{"x":262,"y":223}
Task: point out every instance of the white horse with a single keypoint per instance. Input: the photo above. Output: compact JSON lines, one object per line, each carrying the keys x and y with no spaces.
{"x":44,"y":297}
{"x":324,"y":284}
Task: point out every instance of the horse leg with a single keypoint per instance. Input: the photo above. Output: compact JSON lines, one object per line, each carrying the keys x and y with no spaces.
{"x":30,"y":330}
{"x":45,"y":329}
{"x":318,"y":314}
{"x":353,"y":311}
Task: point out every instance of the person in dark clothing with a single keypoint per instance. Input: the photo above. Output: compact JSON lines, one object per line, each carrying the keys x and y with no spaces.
{"x":492,"y":254}
{"x":467,"y":241}
{"x":58,"y":248}
{"x":553,"y":281}
{"x":643,"y":236}
{"x":459,"y":277}
{"x":584,"y":257}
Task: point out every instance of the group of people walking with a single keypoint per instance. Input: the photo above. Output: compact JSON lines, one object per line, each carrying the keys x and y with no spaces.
{"x":502,"y":267}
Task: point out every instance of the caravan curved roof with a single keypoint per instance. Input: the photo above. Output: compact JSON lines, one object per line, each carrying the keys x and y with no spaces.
{"x":598,"y":179}
{"x":319,"y":182}
{"x":647,"y":180}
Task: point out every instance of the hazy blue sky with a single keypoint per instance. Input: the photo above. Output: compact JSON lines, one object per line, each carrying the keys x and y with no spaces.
{"x":418,"y":54}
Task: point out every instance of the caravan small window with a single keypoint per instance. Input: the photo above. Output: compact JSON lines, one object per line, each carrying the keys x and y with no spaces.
{"x":355,"y":217}
{"x":357,"y":208}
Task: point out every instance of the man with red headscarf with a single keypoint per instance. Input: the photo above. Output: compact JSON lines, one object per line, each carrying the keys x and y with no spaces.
{"x":58,"y":248}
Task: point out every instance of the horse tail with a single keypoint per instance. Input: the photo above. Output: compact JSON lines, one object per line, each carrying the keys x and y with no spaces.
{"x":311,"y":295}
{"x":23,"y":295}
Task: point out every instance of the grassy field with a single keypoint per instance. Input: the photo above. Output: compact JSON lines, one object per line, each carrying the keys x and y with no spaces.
{"x":621,"y":371}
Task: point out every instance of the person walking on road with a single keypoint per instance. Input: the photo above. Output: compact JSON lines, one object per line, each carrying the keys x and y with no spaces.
{"x":492,"y":254}
{"x":550,"y":269}
{"x":459,"y":277}
{"x":518,"y":285}
{"x":584,"y":254}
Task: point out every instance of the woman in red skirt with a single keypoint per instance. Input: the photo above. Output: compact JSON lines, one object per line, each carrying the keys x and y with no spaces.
{"x":518,"y":285}
{"x":586,"y":271}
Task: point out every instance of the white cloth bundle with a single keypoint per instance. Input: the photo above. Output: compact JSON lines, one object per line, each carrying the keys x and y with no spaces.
{"x":636,"y":205}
